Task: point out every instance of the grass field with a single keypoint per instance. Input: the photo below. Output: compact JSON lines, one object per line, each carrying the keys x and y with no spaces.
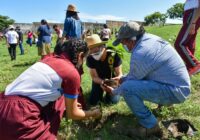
{"x":119,"y":117}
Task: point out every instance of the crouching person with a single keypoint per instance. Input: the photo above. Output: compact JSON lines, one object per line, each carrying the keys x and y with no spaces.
{"x":33,"y":104}
{"x":157,"y":74}
{"x":103,"y":64}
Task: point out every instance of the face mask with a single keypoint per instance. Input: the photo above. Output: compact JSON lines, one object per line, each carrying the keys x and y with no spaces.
{"x":126,"y":48}
{"x":97,"y":56}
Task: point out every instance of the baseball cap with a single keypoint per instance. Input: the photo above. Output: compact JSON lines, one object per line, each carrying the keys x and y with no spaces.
{"x":128,"y":30}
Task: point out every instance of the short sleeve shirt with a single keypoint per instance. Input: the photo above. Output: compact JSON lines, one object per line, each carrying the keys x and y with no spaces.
{"x":45,"y":81}
{"x":44,"y":34}
{"x":104,"y":68}
{"x":12,"y":37}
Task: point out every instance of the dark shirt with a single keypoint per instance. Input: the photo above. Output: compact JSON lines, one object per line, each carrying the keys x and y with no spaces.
{"x":103,"y":68}
{"x":20,"y":35}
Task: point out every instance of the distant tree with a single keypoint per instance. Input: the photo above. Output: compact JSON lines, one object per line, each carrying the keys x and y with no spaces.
{"x":176,"y":11}
{"x":5,"y":21}
{"x":155,"y":18}
{"x":163,"y":18}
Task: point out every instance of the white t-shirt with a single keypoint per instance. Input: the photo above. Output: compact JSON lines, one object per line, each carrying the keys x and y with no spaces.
{"x":191,"y":4}
{"x":12,"y":37}
{"x":44,"y":84}
{"x":60,"y":33}
{"x":106,"y":33}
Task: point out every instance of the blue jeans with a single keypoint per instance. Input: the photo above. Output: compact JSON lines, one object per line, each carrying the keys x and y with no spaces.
{"x":96,"y":95}
{"x":29,"y":41}
{"x":21,"y":48}
{"x":136,"y":91}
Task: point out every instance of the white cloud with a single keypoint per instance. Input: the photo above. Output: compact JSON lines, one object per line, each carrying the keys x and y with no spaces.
{"x":100,"y":18}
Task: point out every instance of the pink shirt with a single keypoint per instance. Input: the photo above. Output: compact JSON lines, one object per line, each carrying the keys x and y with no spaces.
{"x":30,"y":35}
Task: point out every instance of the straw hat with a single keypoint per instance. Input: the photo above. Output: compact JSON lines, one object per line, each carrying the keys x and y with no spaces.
{"x":94,"y":41}
{"x":72,"y":8}
{"x":11,"y":27}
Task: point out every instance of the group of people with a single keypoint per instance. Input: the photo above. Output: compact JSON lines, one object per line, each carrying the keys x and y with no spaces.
{"x":31,"y":108}
{"x":14,"y":37}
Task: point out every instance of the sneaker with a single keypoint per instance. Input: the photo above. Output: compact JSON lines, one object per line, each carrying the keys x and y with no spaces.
{"x":145,"y":132}
{"x":194,"y":70}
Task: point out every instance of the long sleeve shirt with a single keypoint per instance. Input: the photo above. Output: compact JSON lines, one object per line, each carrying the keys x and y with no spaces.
{"x":154,"y":59}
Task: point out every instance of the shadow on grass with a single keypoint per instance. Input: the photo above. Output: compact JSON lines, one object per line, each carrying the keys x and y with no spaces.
{"x":111,"y":126}
{"x":24,"y":64}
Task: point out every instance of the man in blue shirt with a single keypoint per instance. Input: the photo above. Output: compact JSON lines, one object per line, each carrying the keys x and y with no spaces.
{"x":157,"y":74}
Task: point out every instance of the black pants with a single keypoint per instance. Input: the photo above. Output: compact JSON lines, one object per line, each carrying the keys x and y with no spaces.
{"x":96,"y":95}
{"x":12,"y":51}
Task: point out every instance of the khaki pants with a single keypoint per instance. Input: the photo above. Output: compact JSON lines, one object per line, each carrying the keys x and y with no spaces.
{"x":44,"y":49}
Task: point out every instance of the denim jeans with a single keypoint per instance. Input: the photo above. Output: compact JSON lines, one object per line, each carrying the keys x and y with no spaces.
{"x":96,"y":95}
{"x":29,"y":41}
{"x":136,"y":91}
{"x":21,"y":48}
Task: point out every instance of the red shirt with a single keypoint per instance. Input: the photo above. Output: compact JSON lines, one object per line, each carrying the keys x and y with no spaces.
{"x":67,"y":71}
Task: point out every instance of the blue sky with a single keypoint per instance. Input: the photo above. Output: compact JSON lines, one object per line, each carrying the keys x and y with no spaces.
{"x":28,"y":11}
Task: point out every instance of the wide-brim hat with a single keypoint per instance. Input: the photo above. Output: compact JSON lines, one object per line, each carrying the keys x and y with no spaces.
{"x":11,"y":27}
{"x":94,"y":41}
{"x":72,"y":8}
{"x":127,"y":31}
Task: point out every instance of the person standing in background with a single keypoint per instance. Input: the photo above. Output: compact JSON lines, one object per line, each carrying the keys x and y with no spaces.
{"x":18,"y":30}
{"x":12,"y":40}
{"x":29,"y":38}
{"x":105,"y":33}
{"x":44,"y":39}
{"x":185,"y":42}
{"x":58,"y":31}
{"x":72,"y":26}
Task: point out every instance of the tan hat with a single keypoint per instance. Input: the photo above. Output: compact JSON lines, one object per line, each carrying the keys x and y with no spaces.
{"x":72,"y":8}
{"x":11,"y":27}
{"x":94,"y":41}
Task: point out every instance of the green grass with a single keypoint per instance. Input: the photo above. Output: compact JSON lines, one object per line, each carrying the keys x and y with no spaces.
{"x":190,"y":109}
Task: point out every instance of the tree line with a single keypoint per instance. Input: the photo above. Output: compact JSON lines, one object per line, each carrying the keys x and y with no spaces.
{"x":157,"y":18}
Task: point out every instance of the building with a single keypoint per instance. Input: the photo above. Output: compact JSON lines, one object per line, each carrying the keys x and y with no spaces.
{"x":94,"y":27}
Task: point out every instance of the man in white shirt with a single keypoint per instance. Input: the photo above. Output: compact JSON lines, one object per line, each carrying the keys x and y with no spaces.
{"x":12,"y":41}
{"x":185,"y":42}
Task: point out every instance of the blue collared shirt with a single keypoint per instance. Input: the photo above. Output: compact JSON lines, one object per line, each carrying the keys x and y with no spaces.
{"x":154,"y":59}
{"x":72,"y":28}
